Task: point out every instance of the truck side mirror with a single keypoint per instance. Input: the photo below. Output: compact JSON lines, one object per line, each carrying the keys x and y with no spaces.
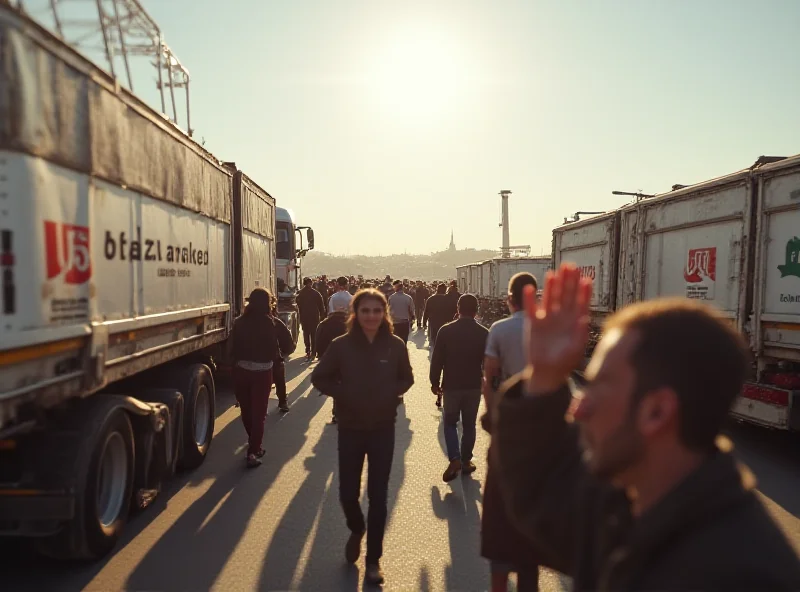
{"x":310,"y":237}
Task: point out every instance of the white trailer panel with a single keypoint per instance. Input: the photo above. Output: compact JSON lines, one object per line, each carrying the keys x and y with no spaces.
{"x":690,"y":243}
{"x":462,"y":276}
{"x":474,"y":278}
{"x":777,"y":294}
{"x":487,"y":274}
{"x":507,"y":268}
{"x":592,"y":245}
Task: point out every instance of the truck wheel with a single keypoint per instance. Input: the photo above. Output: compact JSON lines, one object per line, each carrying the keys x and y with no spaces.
{"x":196,"y":383}
{"x":103,"y":497}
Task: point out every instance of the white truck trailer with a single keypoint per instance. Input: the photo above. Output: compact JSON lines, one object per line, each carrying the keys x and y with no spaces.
{"x":126,"y":250}
{"x":730,"y":241}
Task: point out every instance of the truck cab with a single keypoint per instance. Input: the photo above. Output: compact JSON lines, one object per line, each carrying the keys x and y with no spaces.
{"x":291,"y":245}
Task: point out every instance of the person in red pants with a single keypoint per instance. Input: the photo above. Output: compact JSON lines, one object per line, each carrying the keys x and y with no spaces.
{"x":255,"y":346}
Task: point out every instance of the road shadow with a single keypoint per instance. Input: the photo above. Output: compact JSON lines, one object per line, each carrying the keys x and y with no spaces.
{"x":459,"y":505}
{"x":191,"y":554}
{"x":772,"y":456}
{"x":419,"y":338}
{"x":317,"y":502}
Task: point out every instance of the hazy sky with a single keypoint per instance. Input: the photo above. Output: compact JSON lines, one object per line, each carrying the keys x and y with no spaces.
{"x":384,"y":124}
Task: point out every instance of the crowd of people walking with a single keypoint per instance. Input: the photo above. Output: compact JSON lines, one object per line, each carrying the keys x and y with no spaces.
{"x":614,"y":475}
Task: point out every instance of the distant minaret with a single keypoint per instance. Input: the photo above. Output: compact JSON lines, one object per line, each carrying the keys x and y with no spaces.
{"x":452,"y":242}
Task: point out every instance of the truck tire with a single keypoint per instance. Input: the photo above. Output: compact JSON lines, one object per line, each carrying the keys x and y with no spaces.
{"x":103,"y":495}
{"x":196,"y":383}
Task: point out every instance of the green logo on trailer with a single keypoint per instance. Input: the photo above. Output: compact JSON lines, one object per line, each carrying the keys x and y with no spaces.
{"x":792,"y":265}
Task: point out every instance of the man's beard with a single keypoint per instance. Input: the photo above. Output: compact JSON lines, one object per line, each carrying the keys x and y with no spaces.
{"x":620,"y":451}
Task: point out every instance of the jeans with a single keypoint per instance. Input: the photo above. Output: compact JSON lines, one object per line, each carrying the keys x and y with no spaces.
{"x":461,"y":404}
{"x":402,"y":329}
{"x":378,"y":447}
{"x":252,"y":392}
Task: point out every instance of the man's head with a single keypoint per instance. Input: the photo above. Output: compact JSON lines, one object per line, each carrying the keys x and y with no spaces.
{"x":516,"y":286}
{"x":659,"y":385}
{"x":307,"y":281}
{"x":342,"y":283}
{"x":398,"y":286}
{"x":468,"y":306}
{"x":441,"y":289}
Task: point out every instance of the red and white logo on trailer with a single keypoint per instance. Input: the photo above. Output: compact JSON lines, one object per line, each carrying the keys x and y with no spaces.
{"x":701,"y":265}
{"x":67,"y":252}
{"x":700,"y":273}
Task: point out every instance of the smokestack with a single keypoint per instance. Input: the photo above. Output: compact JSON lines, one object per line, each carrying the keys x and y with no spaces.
{"x":506,"y":249}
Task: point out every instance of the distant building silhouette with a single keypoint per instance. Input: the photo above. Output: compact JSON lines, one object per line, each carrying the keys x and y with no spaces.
{"x":452,"y":243}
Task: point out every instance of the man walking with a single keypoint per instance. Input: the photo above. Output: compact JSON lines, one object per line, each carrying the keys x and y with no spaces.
{"x":436,"y":313}
{"x":312,"y":310}
{"x":501,"y":543}
{"x":421,"y":295}
{"x":459,"y":354}
{"x":401,"y":309}
{"x":341,"y":299}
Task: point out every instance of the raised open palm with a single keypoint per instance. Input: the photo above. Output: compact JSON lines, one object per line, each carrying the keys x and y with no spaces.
{"x":558,"y":328}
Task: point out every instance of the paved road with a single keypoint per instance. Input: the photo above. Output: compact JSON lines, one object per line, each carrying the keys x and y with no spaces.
{"x":280,"y":527}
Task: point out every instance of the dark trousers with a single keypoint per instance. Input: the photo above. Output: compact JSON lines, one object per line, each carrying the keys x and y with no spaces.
{"x":401,"y":329}
{"x":310,"y":336}
{"x":378,"y":447}
{"x":252,"y":392}
{"x":463,"y":405}
{"x":279,"y":380}
{"x":420,"y":311}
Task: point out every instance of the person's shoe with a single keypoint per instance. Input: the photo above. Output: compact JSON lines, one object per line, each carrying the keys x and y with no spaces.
{"x":374,"y":575}
{"x":261,"y":453}
{"x":253,"y":461}
{"x":352,"y":548}
{"x":453,"y":469}
{"x":467,"y":468}
{"x":334,"y":420}
{"x":439,"y":402}
{"x":283,"y":408}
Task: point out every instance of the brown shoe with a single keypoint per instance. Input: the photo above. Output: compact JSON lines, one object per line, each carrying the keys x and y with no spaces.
{"x":374,"y":575}
{"x":468,"y":468}
{"x":453,"y":469}
{"x":352,"y":550}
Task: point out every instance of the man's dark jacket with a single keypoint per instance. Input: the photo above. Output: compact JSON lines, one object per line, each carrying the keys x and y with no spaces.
{"x":329,"y":329}
{"x":452,"y":302}
{"x":367,"y":380}
{"x":311,"y":305}
{"x":437,"y":313}
{"x":459,"y":352}
{"x":709,"y":533}
{"x":286,"y":344}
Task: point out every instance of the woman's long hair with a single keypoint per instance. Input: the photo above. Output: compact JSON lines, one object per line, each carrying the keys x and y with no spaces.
{"x":353,"y":325}
{"x":259,"y":303}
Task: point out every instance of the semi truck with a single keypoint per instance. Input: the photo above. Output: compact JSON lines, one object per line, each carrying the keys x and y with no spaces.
{"x":291,"y":249}
{"x":732,"y":242}
{"x":126,"y":252}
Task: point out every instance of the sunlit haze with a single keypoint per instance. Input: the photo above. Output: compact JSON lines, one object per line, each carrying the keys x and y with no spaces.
{"x":384,"y":125}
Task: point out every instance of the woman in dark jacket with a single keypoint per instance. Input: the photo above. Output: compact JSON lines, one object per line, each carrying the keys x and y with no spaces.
{"x":255,"y":347}
{"x":366,"y":371}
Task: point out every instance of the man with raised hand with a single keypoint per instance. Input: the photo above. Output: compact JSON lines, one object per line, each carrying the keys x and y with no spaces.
{"x":627,"y":486}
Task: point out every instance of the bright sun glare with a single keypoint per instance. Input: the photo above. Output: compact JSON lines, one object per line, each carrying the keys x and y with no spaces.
{"x":418,"y":75}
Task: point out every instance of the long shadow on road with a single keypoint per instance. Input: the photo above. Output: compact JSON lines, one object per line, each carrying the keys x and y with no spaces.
{"x":193,"y":551}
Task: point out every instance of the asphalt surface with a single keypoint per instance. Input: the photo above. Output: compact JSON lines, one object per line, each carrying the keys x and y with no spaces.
{"x":280,"y":527}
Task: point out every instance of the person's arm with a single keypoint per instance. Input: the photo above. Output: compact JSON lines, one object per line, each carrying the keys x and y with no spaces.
{"x":320,"y":305}
{"x":327,"y":377}
{"x":285,"y":341}
{"x":425,"y":312}
{"x":411,"y":310}
{"x":491,"y":368}
{"x":405,"y":375}
{"x":437,"y":359}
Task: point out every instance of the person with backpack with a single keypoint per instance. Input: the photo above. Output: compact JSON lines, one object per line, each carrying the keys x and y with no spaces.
{"x":255,"y":347}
